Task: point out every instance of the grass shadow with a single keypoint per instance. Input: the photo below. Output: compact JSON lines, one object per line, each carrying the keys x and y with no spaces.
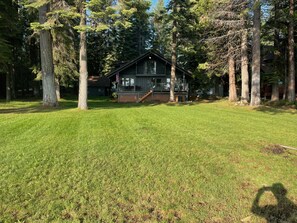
{"x":277,"y":107}
{"x":28,"y":109}
{"x":35,"y":106}
{"x":273,"y":110}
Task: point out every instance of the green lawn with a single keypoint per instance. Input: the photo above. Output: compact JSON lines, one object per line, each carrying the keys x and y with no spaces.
{"x":201,"y":162}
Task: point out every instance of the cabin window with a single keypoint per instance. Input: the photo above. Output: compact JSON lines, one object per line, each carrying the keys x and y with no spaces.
{"x":127,"y":81}
{"x":150,"y":67}
{"x":156,"y":81}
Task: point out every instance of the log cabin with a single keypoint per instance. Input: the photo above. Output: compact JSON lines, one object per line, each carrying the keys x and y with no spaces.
{"x":147,"y":79}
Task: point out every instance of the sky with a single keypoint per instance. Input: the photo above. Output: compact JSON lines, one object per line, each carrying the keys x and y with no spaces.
{"x":154,"y":2}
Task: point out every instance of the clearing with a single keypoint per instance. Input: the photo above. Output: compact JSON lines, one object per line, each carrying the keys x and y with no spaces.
{"x":201,"y":162}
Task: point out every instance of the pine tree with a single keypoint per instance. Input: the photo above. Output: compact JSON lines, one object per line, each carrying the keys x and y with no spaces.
{"x":291,"y":76}
{"x":132,"y":38}
{"x":226,"y":41}
{"x":245,"y":93}
{"x":83,"y":69}
{"x":46,"y":51}
{"x":275,"y":33}
{"x":64,"y":17}
{"x":256,"y":61}
{"x":46,"y":55}
{"x":161,"y":32}
{"x":8,"y":35}
{"x":276,"y":55}
{"x":100,"y":13}
{"x":102,"y":46}
{"x":179,"y":16}
{"x":5,"y":19}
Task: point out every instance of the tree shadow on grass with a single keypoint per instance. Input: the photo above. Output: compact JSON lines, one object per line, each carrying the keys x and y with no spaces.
{"x":93,"y":104}
{"x":276,"y":110}
{"x":36,"y":106}
{"x":189,"y":103}
{"x":23,"y":110}
{"x":284,"y":211}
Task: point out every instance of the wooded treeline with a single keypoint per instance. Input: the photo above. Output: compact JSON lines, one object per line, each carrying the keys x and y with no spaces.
{"x":61,"y":42}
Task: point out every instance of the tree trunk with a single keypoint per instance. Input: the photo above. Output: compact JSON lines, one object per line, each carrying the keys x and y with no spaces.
{"x":256,"y":60}
{"x":47,"y":68}
{"x":285,"y":94}
{"x":291,"y":75}
{"x":57,"y":85}
{"x":173,"y":60}
{"x":232,"y":79}
{"x":8,"y":87}
{"x":83,"y":69}
{"x":275,"y":92}
{"x":276,"y":57}
{"x":12,"y":83}
{"x":245,"y":97}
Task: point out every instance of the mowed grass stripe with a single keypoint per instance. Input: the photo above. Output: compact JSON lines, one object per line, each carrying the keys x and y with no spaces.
{"x":154,"y":163}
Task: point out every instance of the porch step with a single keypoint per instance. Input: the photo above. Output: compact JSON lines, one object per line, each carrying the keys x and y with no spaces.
{"x":145,"y":96}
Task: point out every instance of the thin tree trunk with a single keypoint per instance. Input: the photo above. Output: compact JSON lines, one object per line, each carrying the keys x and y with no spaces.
{"x":285,"y":94}
{"x":276,"y":57}
{"x":173,"y":60}
{"x":256,"y":61}
{"x":291,"y":75}
{"x":12,"y":83}
{"x":8,"y":87}
{"x":57,"y":85}
{"x":232,"y":79}
{"x":83,"y":69}
{"x":245,"y":97}
{"x":47,"y":68}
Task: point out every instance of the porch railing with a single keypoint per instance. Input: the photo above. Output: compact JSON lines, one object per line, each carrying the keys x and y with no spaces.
{"x":158,"y":87}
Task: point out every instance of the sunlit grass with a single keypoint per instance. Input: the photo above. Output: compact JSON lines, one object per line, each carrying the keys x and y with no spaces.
{"x":141,"y":162}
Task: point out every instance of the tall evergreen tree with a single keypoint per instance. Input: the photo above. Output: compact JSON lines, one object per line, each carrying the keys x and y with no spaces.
{"x":161,"y":32}
{"x":245,"y":93}
{"x":275,"y":33}
{"x":276,"y":54}
{"x":245,"y":97}
{"x":102,"y":46}
{"x":83,"y":69}
{"x":46,"y":55}
{"x":173,"y":50}
{"x":64,"y":17}
{"x":133,"y":39}
{"x":291,"y":74}
{"x":5,"y":53}
{"x":232,"y":77}
{"x":180,"y":20}
{"x":256,"y":61}
{"x":46,"y":51}
{"x":224,"y":29}
{"x":100,"y":13}
{"x":8,"y":38}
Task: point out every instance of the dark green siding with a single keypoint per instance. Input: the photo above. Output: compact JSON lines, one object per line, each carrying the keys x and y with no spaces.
{"x":143,"y":79}
{"x":161,"y":67}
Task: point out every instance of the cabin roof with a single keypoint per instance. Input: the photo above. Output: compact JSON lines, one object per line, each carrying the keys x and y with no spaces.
{"x":148,"y":53}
